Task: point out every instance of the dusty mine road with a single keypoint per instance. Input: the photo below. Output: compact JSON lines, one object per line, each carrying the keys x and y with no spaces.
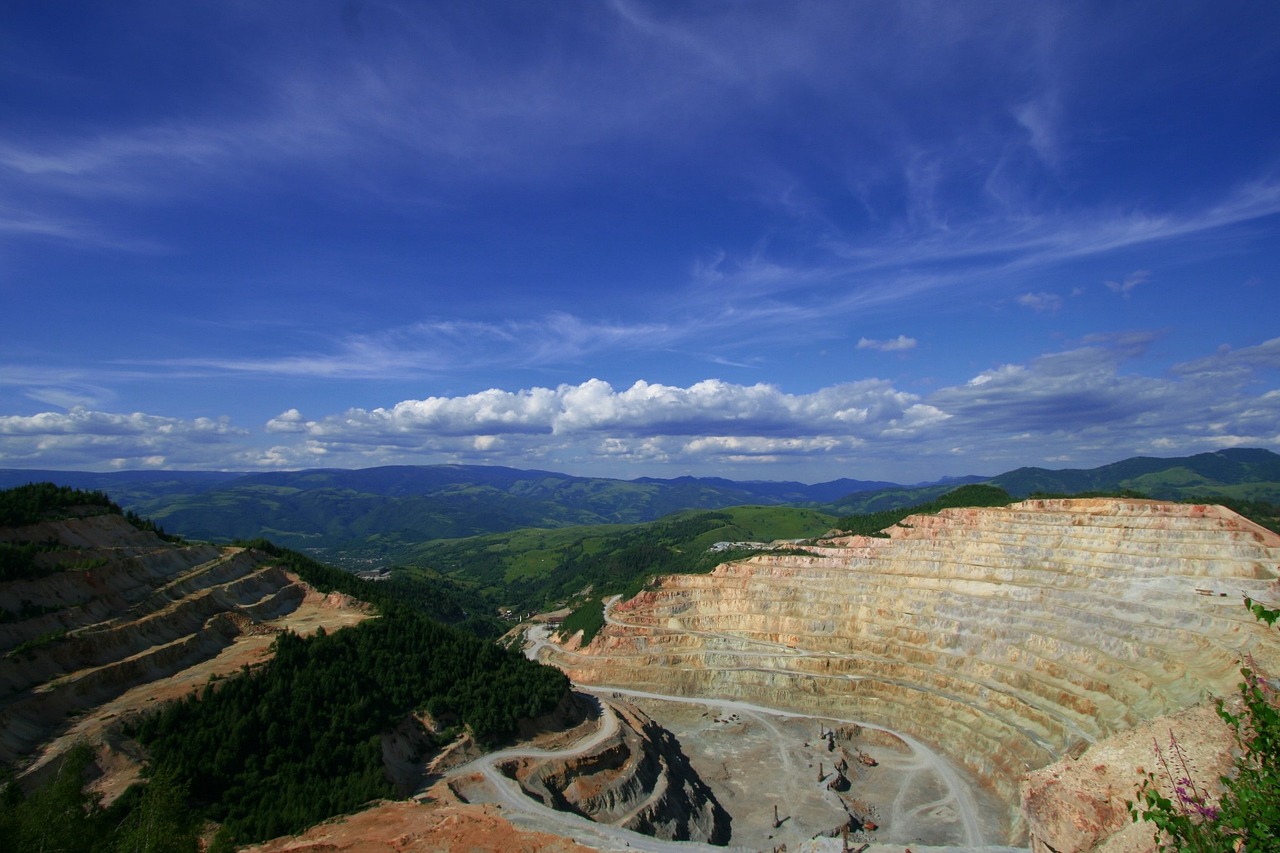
{"x":756,"y":757}
{"x":527,"y":813}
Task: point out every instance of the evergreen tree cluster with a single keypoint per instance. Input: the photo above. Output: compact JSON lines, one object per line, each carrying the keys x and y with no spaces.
{"x":442,"y":599}
{"x":37,"y":502}
{"x":322,"y":577}
{"x":277,"y":749}
{"x":64,"y":817}
{"x":18,"y":561}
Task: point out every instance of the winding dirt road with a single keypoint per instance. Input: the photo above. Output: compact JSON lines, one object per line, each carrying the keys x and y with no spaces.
{"x":958,"y":794}
{"x":920,"y":768}
{"x":528,"y":813}
{"x":921,"y":759}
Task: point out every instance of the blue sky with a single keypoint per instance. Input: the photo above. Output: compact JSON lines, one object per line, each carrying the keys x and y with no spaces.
{"x":751,"y":239}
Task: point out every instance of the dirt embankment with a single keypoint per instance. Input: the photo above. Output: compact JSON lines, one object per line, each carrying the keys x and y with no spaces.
{"x":441,"y":824}
{"x":1079,"y":803}
{"x":126,"y":620}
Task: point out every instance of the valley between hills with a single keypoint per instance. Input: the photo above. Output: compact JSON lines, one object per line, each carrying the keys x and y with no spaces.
{"x":970,"y":677}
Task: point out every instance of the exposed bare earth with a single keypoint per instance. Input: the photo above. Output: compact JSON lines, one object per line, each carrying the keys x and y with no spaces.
{"x":146,"y":622}
{"x":1079,"y":803}
{"x":443,"y":825}
{"x":1003,"y":638}
{"x":858,"y":777}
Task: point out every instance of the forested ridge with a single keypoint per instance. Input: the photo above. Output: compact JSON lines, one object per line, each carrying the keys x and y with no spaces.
{"x":39,"y":501}
{"x":36,"y":502}
{"x":279,"y":747}
{"x":533,"y":569}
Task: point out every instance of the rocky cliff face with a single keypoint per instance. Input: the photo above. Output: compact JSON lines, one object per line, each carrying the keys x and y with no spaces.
{"x":126,"y":610}
{"x":1005,"y":637}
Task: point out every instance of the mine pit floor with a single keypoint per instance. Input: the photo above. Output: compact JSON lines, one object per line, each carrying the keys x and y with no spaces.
{"x":754,"y":759}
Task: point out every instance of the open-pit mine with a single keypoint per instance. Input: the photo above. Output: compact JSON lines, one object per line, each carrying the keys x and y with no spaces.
{"x":1005,"y":639}
{"x":977,"y":678}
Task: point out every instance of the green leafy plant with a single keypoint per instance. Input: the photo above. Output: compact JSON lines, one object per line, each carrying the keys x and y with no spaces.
{"x":1246,"y":817}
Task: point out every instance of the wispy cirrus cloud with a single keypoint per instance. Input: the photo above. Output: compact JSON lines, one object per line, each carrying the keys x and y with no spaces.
{"x":1040,"y":302}
{"x":416,"y":94}
{"x":978,"y":252}
{"x":1233,"y":364}
{"x":32,"y":225}
{"x":435,"y":346}
{"x":1125,"y":286}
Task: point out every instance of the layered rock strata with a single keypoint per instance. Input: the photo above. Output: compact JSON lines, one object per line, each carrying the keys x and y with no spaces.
{"x":1005,"y":637}
{"x":638,"y":779}
{"x":126,"y":609}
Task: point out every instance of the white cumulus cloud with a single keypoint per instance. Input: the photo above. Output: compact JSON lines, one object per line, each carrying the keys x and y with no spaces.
{"x":709,"y":408}
{"x":90,"y":438}
{"x":898,"y":344}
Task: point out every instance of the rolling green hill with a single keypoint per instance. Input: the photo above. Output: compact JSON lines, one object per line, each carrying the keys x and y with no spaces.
{"x":1237,"y":474}
{"x":535,"y":569}
{"x":872,"y":523}
{"x":371,"y":516}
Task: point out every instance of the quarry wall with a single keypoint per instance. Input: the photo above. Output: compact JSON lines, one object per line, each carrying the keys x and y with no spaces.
{"x":1005,"y":637}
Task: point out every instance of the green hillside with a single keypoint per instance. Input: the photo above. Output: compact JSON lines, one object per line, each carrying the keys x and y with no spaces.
{"x":872,"y":523}
{"x":534,"y":569}
{"x":1238,"y":474}
{"x":386,"y":516}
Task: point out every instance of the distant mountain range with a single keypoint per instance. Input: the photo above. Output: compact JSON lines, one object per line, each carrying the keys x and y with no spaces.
{"x":1242,"y":474}
{"x":383,"y":512}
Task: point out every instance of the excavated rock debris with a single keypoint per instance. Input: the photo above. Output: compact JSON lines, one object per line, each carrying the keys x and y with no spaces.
{"x":639,"y":780}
